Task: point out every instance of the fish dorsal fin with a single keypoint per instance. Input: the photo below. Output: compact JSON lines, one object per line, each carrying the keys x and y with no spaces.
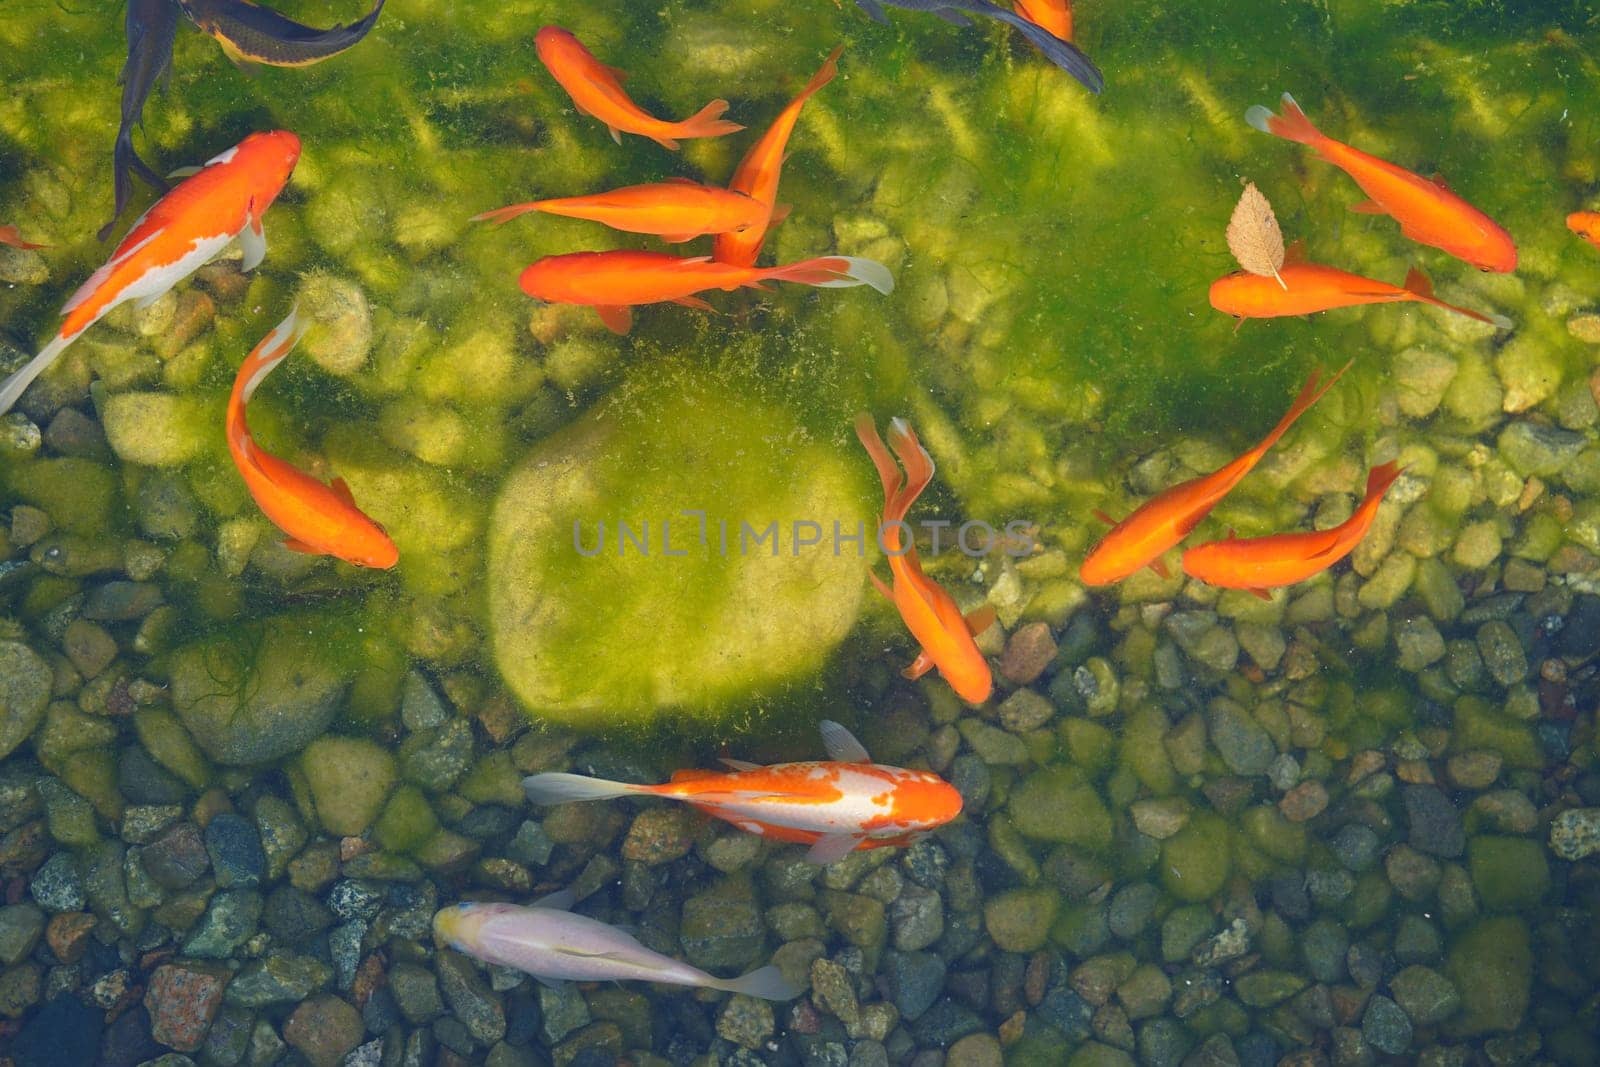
{"x":841,"y":744}
{"x":1159,"y":566}
{"x":1438,"y":179}
{"x":739,"y":764}
{"x":830,"y":848}
{"x":1103,"y":517}
{"x":560,"y":900}
{"x":1367,"y":207}
{"x":1261,"y":594}
{"x":341,"y":489}
{"x":980,"y":619}
{"x":1296,"y":252}
{"x":617,"y":73}
{"x":679,"y":179}
{"x":300,"y":546}
{"x":1418,"y":283}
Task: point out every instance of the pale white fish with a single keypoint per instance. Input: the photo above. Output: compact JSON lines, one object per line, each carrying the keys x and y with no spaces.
{"x":552,"y":944}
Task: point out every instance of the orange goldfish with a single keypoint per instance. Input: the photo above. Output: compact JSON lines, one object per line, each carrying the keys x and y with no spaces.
{"x":1427,"y":211}
{"x":225,"y":199}
{"x":758,"y":172}
{"x":596,"y":90}
{"x":613,"y":282}
{"x":1307,"y":288}
{"x":676,"y":210}
{"x":318,"y":519}
{"x":1053,"y":16}
{"x":1585,"y":224}
{"x":1262,"y":563}
{"x":928,"y":611}
{"x":1167,"y":518}
{"x":835,"y":807}
{"x":10,"y":235}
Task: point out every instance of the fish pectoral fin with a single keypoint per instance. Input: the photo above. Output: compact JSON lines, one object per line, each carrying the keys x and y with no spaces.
{"x":738,"y":764}
{"x":1103,"y":517}
{"x":980,"y":619}
{"x":617,"y":73}
{"x":1296,"y":252}
{"x":694,"y":302}
{"x":1160,"y":567}
{"x":830,"y":848}
{"x":619,"y":320}
{"x":1262,"y":594}
{"x":919,"y":666}
{"x":253,"y":240}
{"x":184,"y":172}
{"x":779,"y":213}
{"x":841,"y":744}
{"x":145,"y":301}
{"x":341,"y":489}
{"x":1367,"y":207}
{"x":678,"y":239}
{"x":300,"y":546}
{"x":551,"y":983}
{"x":616,"y":134}
{"x":888,"y":594}
{"x":560,"y":900}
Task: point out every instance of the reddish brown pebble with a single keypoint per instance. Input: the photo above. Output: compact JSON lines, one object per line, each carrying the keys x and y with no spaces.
{"x":1304,"y":802}
{"x":1011,"y":1029}
{"x":183,"y":1000}
{"x":351,"y":847}
{"x":324,"y":1029}
{"x":369,"y":976}
{"x":68,"y":935}
{"x":1414,"y":771}
{"x":1037,"y":978}
{"x":1028,"y":653}
{"x":1364,"y":763}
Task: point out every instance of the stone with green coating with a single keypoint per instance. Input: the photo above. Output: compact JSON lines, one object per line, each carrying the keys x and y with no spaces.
{"x":589,"y":636}
{"x":1058,"y":804}
{"x":1019,"y":920}
{"x":260,"y":692}
{"x":155,"y":429}
{"x":25,"y":681}
{"x":349,"y":780}
{"x":1508,"y":872}
{"x":1195,"y":861}
{"x":1491,"y":965}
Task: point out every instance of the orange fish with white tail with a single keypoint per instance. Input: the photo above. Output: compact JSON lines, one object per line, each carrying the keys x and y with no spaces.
{"x":1427,"y":211}
{"x":758,"y":172}
{"x":1261,"y":563}
{"x":615,"y":282}
{"x":1167,"y":518}
{"x":597,"y":91}
{"x":318,"y":519}
{"x":930,"y":613}
{"x":1307,"y":288}
{"x":674,"y":210}
{"x":225,"y":199}
{"x":836,"y":807}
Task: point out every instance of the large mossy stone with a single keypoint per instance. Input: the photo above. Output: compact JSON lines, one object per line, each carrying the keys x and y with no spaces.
{"x":261,"y":692}
{"x":1492,"y":966}
{"x":25,"y":681}
{"x":593,"y":627}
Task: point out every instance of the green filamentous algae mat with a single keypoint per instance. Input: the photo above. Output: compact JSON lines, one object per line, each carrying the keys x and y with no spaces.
{"x":1355,"y":823}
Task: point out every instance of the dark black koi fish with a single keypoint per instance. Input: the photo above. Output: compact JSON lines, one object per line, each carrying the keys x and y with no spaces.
{"x":250,"y":33}
{"x":1063,"y":54}
{"x":151,"y":25}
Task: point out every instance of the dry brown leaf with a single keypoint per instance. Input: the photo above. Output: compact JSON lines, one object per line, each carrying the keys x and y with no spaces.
{"x":1253,"y":235}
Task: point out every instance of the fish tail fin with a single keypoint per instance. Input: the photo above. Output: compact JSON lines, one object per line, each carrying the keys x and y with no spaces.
{"x":1381,"y":477}
{"x":824,"y":74}
{"x":556,"y":788}
{"x":918,"y":464}
{"x":12,"y":388}
{"x":502,"y":215}
{"x":1292,"y":125}
{"x":267,"y":354}
{"x":835,"y":272}
{"x":888,"y":471}
{"x":1310,"y":393}
{"x":1419,"y":286}
{"x":707,"y":122}
{"x":767,"y":983}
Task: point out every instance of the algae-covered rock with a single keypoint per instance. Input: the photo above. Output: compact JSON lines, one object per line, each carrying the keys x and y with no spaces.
{"x":259,"y":693}
{"x":592,"y":620}
{"x":155,"y":429}
{"x":1492,"y":968}
{"x":24,"y":691}
{"x":349,"y":780}
{"x":341,"y":322}
{"x":1196,"y":860}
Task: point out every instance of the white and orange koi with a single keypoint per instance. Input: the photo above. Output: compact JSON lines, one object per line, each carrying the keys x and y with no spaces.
{"x":836,"y":806}
{"x":225,"y":199}
{"x":319,"y":519}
